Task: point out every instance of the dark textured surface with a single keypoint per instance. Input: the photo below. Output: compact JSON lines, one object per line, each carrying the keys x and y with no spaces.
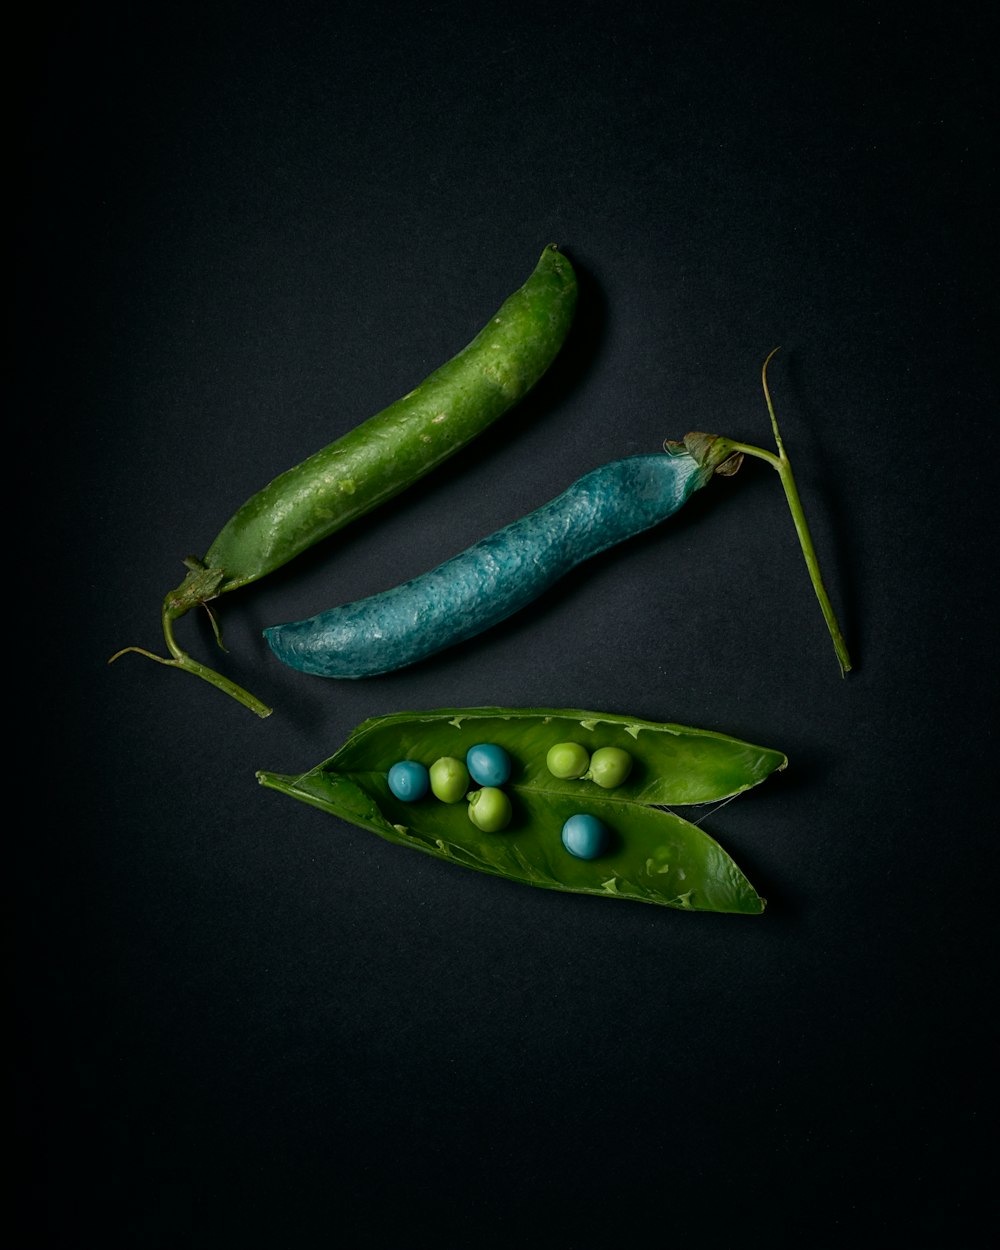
{"x":494,"y":578}
{"x":249,"y":227}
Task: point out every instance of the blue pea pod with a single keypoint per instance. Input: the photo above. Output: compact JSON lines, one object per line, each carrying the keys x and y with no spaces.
{"x":503,"y":573}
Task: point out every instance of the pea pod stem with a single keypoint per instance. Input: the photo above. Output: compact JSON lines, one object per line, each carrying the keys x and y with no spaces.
{"x":782,"y":466}
{"x":181,"y":659}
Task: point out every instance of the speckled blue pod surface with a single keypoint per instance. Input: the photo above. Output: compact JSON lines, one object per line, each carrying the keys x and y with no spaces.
{"x":493,"y":579}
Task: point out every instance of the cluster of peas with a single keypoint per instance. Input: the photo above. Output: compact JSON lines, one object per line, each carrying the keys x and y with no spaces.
{"x":489,"y":766}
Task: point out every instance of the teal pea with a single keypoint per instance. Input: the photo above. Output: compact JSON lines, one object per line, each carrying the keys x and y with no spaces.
{"x":409,"y":780}
{"x":585,"y":836}
{"x":488,"y":764}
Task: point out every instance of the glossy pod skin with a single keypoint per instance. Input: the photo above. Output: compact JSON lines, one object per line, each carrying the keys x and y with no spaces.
{"x":654,"y":855}
{"x":501,"y":574}
{"x":379,"y":458}
{"x":405,"y":441}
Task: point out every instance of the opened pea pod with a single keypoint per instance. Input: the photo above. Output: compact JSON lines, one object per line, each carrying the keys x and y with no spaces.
{"x":651,"y":855}
{"x":379,"y":458}
{"x":503,"y":573}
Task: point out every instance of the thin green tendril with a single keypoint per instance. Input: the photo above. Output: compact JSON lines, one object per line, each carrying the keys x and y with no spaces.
{"x":782,"y":466}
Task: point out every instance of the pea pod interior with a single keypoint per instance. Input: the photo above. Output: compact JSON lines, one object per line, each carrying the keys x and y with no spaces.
{"x":655,"y":856}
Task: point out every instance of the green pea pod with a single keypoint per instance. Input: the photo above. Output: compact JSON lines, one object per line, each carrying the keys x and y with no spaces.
{"x":381,"y":457}
{"x":655,"y":856}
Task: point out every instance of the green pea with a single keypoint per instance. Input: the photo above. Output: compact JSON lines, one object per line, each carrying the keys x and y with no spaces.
{"x":609,"y":767}
{"x":489,"y":809}
{"x":449,"y":779}
{"x":567,"y":760}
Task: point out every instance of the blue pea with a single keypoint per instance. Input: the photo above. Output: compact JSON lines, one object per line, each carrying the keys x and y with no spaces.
{"x":488,"y":764}
{"x":409,"y":780}
{"x":586,"y":837}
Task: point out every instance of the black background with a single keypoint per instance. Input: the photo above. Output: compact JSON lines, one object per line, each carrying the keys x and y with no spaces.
{"x":245,"y":1023}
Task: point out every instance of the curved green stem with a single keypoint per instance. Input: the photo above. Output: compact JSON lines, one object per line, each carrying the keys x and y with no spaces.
{"x":182,"y":660}
{"x":780,"y":463}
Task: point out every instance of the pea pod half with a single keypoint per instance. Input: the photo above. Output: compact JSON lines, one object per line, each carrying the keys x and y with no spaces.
{"x":382,"y":456}
{"x":655,"y":856}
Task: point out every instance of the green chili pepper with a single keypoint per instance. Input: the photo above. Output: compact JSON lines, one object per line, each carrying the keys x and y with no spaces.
{"x":381,"y":457}
{"x":654,"y":856}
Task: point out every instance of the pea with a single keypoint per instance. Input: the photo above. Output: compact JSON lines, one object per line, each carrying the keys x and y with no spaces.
{"x":449,"y":779}
{"x":585,"y":836}
{"x":609,"y":766}
{"x":488,"y":764}
{"x":489,"y":809}
{"x":408,"y":780}
{"x":567,"y":760}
